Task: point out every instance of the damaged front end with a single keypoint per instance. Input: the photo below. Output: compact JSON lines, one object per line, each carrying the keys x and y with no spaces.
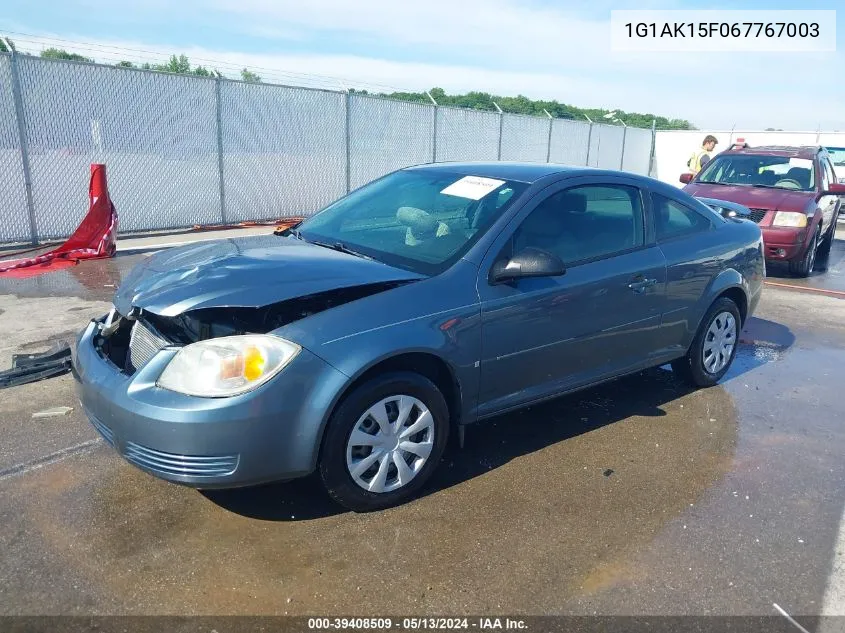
{"x":129,"y":341}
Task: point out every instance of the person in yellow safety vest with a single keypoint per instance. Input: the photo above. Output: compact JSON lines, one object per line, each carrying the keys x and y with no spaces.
{"x":700,"y":158}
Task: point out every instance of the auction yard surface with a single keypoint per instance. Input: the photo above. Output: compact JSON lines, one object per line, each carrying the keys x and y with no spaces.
{"x":639,"y":496}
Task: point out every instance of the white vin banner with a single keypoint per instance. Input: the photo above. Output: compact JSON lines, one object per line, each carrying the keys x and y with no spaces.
{"x":723,"y":31}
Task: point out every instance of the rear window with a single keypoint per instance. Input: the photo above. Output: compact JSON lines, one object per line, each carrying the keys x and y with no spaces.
{"x":777,"y":172}
{"x":672,"y":219}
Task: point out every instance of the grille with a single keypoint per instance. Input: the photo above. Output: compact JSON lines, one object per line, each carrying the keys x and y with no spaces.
{"x":173,"y":464}
{"x":102,"y":429}
{"x":143,"y":345}
{"x":757,"y":215}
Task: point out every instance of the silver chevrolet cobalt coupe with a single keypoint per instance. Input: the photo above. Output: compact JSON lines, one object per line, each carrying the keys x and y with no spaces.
{"x":434,"y":297}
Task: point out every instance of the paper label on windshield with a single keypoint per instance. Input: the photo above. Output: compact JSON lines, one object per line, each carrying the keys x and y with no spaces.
{"x":472,"y":187}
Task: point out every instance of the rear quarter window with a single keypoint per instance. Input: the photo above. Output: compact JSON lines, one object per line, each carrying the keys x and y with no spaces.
{"x":673,"y":219}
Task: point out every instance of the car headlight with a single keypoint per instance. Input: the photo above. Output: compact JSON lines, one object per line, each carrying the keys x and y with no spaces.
{"x":227,"y":366}
{"x":790,"y":218}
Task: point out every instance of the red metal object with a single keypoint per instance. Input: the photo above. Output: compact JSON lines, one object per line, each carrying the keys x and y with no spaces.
{"x":94,"y":238}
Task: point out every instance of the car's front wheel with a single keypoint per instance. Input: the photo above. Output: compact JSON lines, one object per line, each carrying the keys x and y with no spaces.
{"x":384,"y":441}
{"x":714,"y":347}
{"x":803,"y":266}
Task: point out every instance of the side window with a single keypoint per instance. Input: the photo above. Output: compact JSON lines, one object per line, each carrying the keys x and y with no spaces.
{"x":586,"y":222}
{"x":828,"y":176}
{"x":672,"y":219}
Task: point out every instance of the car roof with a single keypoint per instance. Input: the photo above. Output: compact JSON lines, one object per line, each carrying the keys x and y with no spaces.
{"x":520,"y":172}
{"x":804,"y":151}
{"x":530,"y":173}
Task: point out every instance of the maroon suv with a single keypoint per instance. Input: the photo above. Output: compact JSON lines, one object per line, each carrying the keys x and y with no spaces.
{"x":792,"y":193}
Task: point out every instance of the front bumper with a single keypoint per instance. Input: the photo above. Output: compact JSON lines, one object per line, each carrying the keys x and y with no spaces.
{"x":270,"y":433}
{"x":784,"y":243}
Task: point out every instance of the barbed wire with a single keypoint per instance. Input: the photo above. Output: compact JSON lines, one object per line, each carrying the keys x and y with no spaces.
{"x":109,"y":53}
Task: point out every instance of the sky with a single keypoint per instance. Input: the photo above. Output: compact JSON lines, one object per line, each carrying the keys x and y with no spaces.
{"x":543,"y":49}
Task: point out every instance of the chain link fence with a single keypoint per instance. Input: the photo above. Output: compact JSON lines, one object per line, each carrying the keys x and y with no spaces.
{"x":638,"y":148}
{"x":525,"y":138}
{"x":184,"y":150}
{"x":570,"y":142}
{"x":385,"y":135}
{"x":14,"y":218}
{"x":284,"y":150}
{"x":156,"y":134}
{"x":463,"y":135}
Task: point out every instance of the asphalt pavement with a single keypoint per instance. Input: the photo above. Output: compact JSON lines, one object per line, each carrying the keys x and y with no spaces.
{"x":636,"y":497}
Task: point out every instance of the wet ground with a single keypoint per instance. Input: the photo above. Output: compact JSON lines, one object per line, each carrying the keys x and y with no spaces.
{"x":832,"y":281}
{"x":637,"y":497}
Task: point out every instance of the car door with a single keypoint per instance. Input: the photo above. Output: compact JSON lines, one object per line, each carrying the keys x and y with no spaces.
{"x":541,"y":336}
{"x":693,"y":250}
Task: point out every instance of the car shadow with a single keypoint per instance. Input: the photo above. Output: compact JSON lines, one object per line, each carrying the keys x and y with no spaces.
{"x":495,"y":442}
{"x":499,"y":440}
{"x":297,"y":500}
{"x":490,"y":444}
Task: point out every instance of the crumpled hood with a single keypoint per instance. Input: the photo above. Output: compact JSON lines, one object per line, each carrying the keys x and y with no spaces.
{"x":244,"y":272}
{"x":754,"y":197}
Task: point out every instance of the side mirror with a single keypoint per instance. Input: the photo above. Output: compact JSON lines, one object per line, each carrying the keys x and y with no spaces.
{"x":530,"y":262}
{"x":835,"y":189}
{"x":686,"y":178}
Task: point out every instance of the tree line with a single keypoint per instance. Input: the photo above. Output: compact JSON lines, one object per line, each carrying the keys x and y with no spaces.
{"x":477,"y":100}
{"x":536,"y":107}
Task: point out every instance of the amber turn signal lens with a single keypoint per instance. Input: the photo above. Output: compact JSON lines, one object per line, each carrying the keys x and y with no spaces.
{"x":253,"y":363}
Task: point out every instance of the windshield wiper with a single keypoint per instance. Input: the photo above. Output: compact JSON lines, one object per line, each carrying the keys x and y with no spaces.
{"x":340,"y":246}
{"x":335,"y":246}
{"x":716,"y":182}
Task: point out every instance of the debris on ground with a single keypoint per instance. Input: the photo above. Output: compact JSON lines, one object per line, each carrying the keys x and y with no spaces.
{"x":28,"y":368}
{"x":52,"y":412}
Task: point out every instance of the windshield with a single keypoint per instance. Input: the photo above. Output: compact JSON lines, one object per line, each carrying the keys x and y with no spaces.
{"x":419,"y":220}
{"x":781,"y":172}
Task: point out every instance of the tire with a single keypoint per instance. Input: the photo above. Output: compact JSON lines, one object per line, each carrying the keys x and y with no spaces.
{"x":340,"y":454}
{"x":804,"y":266}
{"x":693,"y":368}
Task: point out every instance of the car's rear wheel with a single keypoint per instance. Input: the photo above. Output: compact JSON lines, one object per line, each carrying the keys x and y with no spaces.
{"x":714,"y":347}
{"x":384,"y":441}
{"x":804,"y":266}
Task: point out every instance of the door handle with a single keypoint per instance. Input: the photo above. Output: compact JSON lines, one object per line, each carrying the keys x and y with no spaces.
{"x":641,"y":285}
